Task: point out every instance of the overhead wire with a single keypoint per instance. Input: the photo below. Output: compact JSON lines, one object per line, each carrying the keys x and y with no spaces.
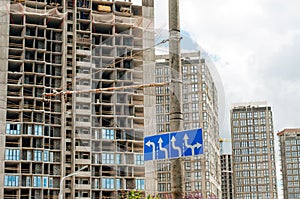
{"x":124,"y":58}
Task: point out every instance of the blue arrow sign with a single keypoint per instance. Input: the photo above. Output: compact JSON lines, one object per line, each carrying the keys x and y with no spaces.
{"x":173,"y":145}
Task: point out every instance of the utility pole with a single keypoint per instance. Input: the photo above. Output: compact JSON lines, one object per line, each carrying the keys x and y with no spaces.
{"x":175,"y":92}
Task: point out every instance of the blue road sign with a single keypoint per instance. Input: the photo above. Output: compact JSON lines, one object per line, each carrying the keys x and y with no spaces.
{"x":173,"y":145}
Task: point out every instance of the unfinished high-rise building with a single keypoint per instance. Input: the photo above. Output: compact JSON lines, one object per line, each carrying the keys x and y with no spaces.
{"x":252,"y":134}
{"x":202,"y":173}
{"x":58,"y":46}
{"x":289,"y":140}
{"x":226,"y":175}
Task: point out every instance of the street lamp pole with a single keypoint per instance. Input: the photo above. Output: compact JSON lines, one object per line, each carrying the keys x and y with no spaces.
{"x":62,"y":181}
{"x":176,"y":118}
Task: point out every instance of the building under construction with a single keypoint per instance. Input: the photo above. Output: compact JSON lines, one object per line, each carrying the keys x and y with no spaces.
{"x":55,"y":46}
{"x":202,"y":173}
{"x":227,"y":179}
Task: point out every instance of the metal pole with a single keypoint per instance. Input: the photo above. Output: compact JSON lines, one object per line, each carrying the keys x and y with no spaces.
{"x":62,"y":181}
{"x":175,"y":92}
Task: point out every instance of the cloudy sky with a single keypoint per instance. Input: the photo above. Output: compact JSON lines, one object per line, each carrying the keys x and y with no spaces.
{"x":255,"y":46}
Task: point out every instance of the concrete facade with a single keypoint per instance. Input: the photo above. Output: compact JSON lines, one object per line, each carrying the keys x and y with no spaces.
{"x":252,"y":134}
{"x":227,"y":179}
{"x":200,"y":110}
{"x":289,"y":140}
{"x":56,"y":46}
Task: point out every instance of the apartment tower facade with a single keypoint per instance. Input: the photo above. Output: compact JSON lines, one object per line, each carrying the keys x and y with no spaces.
{"x":56,"y":47}
{"x":202,"y":173}
{"x":254,"y":171}
{"x":289,"y":140}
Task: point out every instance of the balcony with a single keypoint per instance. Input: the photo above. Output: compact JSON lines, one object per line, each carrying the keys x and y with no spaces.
{"x":83,"y":186}
{"x":83,"y":111}
{"x":84,"y":52}
{"x":83,"y":161}
{"x":83,"y":148}
{"x":83,"y":63}
{"x":82,"y":198}
{"x":83,"y":136}
{"x":84,"y":174}
{"x":83,"y":124}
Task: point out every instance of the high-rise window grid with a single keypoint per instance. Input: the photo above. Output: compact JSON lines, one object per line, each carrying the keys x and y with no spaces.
{"x":198,"y":95}
{"x":290,"y":146}
{"x":253,"y":150}
{"x":64,"y":50}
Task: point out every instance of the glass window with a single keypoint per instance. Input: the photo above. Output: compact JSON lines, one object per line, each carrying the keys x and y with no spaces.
{"x":196,"y":125}
{"x":243,"y":122}
{"x":38,"y":154}
{"x":255,"y":114}
{"x":118,"y":159}
{"x":37,"y":181}
{"x":140,"y":184}
{"x":193,"y":69}
{"x":184,"y":69}
{"x":108,"y":134}
{"x":107,"y":183}
{"x":235,"y":122}
{"x":46,"y":156}
{"x":250,"y":129}
{"x":197,"y":165}
{"x":235,"y":115}
{"x":118,"y":184}
{"x":262,"y":114}
{"x":194,"y":87}
{"x":197,"y":175}
{"x":45,"y":181}
{"x":187,"y":166}
{"x":197,"y":185}
{"x":158,"y":71}
{"x":242,"y":115}
{"x":195,"y":116}
{"x":158,"y":79}
{"x":159,"y":99}
{"x":195,"y":107}
{"x":12,"y":154}
{"x":139,"y":159}
{"x":250,"y":122}
{"x":195,"y":97}
{"x":194,"y":78}
{"x":108,"y":158}
{"x":13,"y":129}
{"x":188,"y":186}
{"x":12,"y":181}
{"x":167,"y":108}
{"x":166,"y":70}
{"x":249,"y":114}
{"x":158,"y":90}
